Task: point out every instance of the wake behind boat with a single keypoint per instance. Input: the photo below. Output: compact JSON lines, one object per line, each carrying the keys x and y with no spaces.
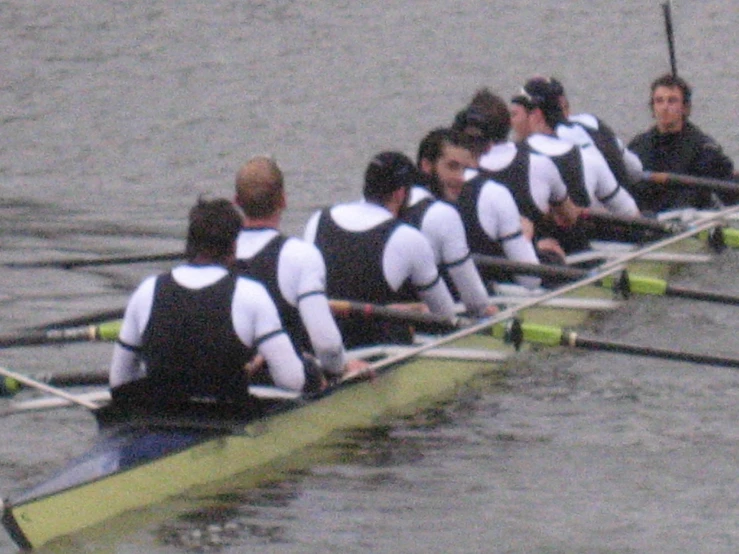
{"x":137,"y":464}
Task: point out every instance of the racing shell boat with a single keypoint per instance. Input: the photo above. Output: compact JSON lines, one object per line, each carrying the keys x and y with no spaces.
{"x":140,"y":462}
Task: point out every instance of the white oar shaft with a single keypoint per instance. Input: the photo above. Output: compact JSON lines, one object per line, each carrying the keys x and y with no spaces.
{"x":46,"y":388}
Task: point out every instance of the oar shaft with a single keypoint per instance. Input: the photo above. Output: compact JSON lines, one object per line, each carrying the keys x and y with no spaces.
{"x":571,"y":339}
{"x":430,"y":322}
{"x":706,"y":296}
{"x":9,"y":386}
{"x":635,"y":284}
{"x":551,"y":335}
{"x":29,"y":382}
{"x":666,"y":10}
{"x":90,"y":262}
{"x":651,"y":227}
{"x":540,"y":270}
{"x":91,"y":319}
{"x":88,"y":333}
{"x":676,"y":179}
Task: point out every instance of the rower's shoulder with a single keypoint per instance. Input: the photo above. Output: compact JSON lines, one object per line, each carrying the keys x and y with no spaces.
{"x":550,"y":145}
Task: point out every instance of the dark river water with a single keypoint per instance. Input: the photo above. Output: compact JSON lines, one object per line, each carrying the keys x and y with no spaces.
{"x":115,"y":115}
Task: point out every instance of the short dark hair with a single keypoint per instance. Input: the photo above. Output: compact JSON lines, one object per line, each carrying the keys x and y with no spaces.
{"x":432,"y":145}
{"x":431,"y":148}
{"x":212,"y":230}
{"x":671,"y":81}
{"x":386,"y":173}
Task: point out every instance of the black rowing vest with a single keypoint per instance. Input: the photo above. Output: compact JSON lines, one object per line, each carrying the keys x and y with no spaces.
{"x":414,"y":216}
{"x":516,"y":177}
{"x":190,"y":346}
{"x":477,"y":239}
{"x":570,"y":167}
{"x":354,"y":271}
{"x":605,"y":140}
{"x":263,"y":267}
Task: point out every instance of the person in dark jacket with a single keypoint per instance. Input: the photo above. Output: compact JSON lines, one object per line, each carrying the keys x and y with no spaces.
{"x":676,"y":145}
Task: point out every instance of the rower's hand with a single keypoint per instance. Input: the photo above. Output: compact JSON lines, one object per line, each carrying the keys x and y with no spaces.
{"x":490,"y":311}
{"x":527,"y":228}
{"x":411,"y":307}
{"x":357,"y":368}
{"x":551,"y":245}
{"x":256,"y":364}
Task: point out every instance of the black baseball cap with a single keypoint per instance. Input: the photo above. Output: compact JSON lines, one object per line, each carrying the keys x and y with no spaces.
{"x":540,"y":92}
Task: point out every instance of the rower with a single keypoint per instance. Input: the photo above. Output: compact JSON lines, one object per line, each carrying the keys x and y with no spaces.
{"x":292,"y":269}
{"x":533,"y":179}
{"x":677,"y":145}
{"x":492,"y":222}
{"x":535,"y":112}
{"x":371,"y":256}
{"x":587,"y":129}
{"x":443,"y":157}
{"x":188,"y":333}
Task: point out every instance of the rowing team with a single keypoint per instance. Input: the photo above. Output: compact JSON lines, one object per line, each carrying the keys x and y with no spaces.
{"x":250,"y":297}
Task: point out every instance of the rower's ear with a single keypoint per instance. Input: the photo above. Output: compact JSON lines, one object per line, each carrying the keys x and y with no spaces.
{"x":427,"y":166}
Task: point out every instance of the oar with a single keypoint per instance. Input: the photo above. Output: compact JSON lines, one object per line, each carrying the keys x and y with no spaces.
{"x":90,"y":319}
{"x":677,"y":179}
{"x":667,"y":11}
{"x":427,"y":321}
{"x":29,"y":382}
{"x":553,"y":271}
{"x":9,"y":386}
{"x":340,"y":308}
{"x":88,"y":333}
{"x":608,"y":226}
{"x":551,"y":335}
{"x":609,"y":268}
{"x":626,"y":284}
{"x":633,"y":284}
{"x":91,"y":262}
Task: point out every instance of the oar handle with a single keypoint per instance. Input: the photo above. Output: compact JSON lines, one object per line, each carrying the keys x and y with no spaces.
{"x":350,"y":308}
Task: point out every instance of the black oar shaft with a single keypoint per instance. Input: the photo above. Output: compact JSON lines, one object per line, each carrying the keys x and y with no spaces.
{"x":571,"y":339}
{"x":539,"y":270}
{"x":677,"y":179}
{"x":621,"y":223}
{"x":666,"y":10}
{"x":9,"y":386}
{"x":706,"y":296}
{"x":91,"y":319}
{"x":552,"y":335}
{"x":91,"y":262}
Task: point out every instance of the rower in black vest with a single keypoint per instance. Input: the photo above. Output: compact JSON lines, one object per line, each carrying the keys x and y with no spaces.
{"x":177,"y":344}
{"x":293,"y":270}
{"x":188,"y":334}
{"x":263,"y":267}
{"x":372,"y":257}
{"x":362,"y":279}
{"x":533,"y":179}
